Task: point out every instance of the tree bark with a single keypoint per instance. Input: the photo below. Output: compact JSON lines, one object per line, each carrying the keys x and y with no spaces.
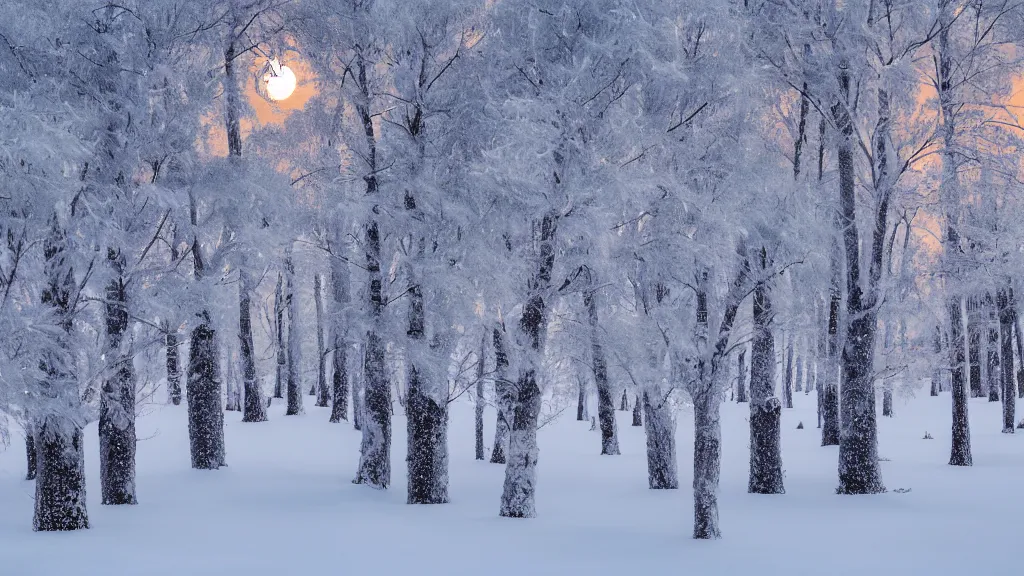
{"x":741,"y":380}
{"x":960,"y":452}
{"x":375,"y":420}
{"x":254,"y":407}
{"x":205,"y":418}
{"x":173,"y":366}
{"x":859,"y":472}
{"x":357,"y":389}
{"x":798,"y":377}
{"x":765,"y":408}
{"x":787,"y":387}
{"x":117,"y":402}
{"x":828,"y":385}
{"x":427,"y":415}
{"x":30,"y":452}
{"x":1007,"y":312}
{"x":428,"y":444}
{"x":949,"y":196}
{"x":1020,"y":352}
{"x":478,"y":408}
{"x":517,"y":499}
{"x":294,"y":340}
{"x":503,"y":399}
{"x":605,"y":407}
{"x":974,"y":348}
{"x":637,"y":412}
{"x":581,"y":399}
{"x":323,"y":396}
{"x":339,"y":337}
{"x":60,"y":479}
{"x":282,"y":359}
{"x":707,"y":456}
{"x":992,"y":372}
{"x":660,"y":429}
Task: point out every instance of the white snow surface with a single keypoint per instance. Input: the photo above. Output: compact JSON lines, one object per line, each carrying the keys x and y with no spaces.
{"x":285,"y":505}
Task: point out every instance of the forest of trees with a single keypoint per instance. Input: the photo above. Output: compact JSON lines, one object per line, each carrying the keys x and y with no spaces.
{"x":531,"y":205}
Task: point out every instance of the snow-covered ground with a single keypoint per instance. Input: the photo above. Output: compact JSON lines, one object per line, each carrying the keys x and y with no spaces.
{"x":286,"y":506}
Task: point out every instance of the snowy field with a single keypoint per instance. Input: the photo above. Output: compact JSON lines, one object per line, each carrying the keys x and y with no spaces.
{"x":286,"y":506}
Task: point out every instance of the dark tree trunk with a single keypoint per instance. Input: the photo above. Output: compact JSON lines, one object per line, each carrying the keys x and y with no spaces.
{"x":936,"y":373}
{"x":1020,"y":352}
{"x":503,"y":399}
{"x":340,"y":299}
{"x":117,"y":402}
{"x":282,"y":359}
{"x":375,"y":450}
{"x":427,"y":415}
{"x":623,"y":403}
{"x":637,"y":412}
{"x":660,"y":429}
{"x":375,"y":415}
{"x":859,"y":471}
{"x":960,"y":453}
{"x":1007,"y":311}
{"x":992,"y":365}
{"x":798,"y":377}
{"x":605,"y":408}
{"x":787,"y":387}
{"x":741,"y":379}
{"x":173,"y":366}
{"x":60,"y":480}
{"x":428,"y":444}
{"x":205,"y":418}
{"x":478,"y":408}
{"x":30,"y":452}
{"x":517,"y":498}
{"x":765,"y":408}
{"x":887,"y":381}
{"x":974,"y":348}
{"x":357,"y":390}
{"x":294,"y":341}
{"x":323,"y":397}
{"x":707,"y":456}
{"x":60,"y":458}
{"x":581,"y":399}
{"x":254,"y":407}
{"x":828,"y":385}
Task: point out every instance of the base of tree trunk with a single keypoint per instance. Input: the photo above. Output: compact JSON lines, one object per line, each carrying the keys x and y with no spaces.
{"x":254,"y":407}
{"x":30,"y":453}
{"x":660,"y":429}
{"x":887,"y":403}
{"x":707,"y":466}
{"x":606,"y":418}
{"x":117,"y":450}
{"x":517,"y":498}
{"x":60,"y":479}
{"x":766,"y":448}
{"x":375,"y":450}
{"x":205,"y":417}
{"x":829,"y":415}
{"x":428,"y":447}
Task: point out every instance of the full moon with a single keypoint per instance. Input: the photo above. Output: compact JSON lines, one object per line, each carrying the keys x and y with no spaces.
{"x":281,"y":84}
